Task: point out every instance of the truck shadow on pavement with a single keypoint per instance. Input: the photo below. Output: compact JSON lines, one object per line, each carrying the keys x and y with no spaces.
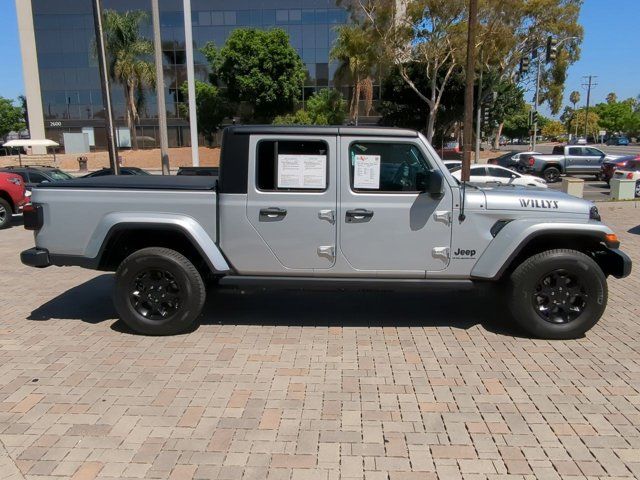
{"x":91,"y":302}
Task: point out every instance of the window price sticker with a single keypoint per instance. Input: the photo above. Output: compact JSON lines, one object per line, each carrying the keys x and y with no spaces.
{"x":366,"y":172}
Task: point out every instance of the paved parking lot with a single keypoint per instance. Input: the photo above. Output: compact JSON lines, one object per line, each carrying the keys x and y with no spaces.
{"x":288,"y":385}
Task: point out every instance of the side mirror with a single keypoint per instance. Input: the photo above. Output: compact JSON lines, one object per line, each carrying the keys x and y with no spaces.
{"x":431,"y":183}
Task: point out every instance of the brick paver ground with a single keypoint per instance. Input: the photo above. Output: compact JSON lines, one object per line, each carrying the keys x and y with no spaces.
{"x":312,"y":385}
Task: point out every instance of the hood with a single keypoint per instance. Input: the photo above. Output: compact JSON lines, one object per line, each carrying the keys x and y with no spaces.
{"x":534,"y":200}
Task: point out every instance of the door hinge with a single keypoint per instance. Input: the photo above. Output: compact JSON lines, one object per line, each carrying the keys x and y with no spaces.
{"x":328,"y":251}
{"x":441,"y":252}
{"x":443,"y":216}
{"x":329,"y":215}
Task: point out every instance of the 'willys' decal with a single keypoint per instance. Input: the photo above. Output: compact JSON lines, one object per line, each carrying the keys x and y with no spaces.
{"x":536,"y":203}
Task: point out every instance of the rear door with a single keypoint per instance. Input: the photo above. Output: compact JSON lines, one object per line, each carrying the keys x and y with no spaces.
{"x":387,"y":226}
{"x":291,"y":198}
{"x":574,"y":159}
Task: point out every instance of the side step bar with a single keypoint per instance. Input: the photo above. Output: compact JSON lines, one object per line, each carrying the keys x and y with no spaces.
{"x":338,"y":283}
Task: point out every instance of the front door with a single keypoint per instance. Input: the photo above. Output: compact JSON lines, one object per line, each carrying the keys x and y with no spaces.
{"x":291,"y":199}
{"x":593,"y":160}
{"x":388,"y":227}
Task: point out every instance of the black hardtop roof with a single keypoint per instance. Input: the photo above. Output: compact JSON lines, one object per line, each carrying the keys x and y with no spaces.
{"x":138,"y":182}
{"x":372,"y":131}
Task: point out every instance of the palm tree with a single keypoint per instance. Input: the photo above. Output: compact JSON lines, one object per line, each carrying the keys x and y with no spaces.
{"x":612,"y":98}
{"x":354,"y":48}
{"x":128,"y":65}
{"x":574,"y":98}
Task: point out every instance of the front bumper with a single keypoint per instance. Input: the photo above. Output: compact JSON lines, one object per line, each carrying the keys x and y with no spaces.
{"x":616,"y":263}
{"x":36,"y":257}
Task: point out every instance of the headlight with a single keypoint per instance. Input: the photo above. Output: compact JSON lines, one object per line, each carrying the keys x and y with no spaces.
{"x":594,"y":214}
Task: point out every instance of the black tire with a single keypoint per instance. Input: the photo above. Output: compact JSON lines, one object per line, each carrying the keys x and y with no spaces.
{"x":5,"y":214}
{"x":536,"y":299}
{"x":551,"y":174}
{"x":638,"y":189}
{"x":158,"y":292}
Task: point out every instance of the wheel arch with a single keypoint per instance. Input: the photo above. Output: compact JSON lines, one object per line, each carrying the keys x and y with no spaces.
{"x":5,"y":196}
{"x":516,"y":243}
{"x":125,"y":237}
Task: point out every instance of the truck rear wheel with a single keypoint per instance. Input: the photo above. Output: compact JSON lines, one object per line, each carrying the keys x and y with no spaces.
{"x":158,"y":292}
{"x":551,"y":174}
{"x":558,"y":294}
{"x":5,"y":214}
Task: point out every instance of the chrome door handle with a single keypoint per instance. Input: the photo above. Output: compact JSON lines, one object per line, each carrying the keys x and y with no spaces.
{"x":272,"y":213}
{"x":358,"y":215}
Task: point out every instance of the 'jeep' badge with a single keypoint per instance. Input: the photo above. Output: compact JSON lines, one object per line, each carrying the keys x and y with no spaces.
{"x":536,"y":203}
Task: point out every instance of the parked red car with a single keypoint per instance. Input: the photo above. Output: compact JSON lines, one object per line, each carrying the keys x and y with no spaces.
{"x":610,"y":166}
{"x":13,"y":196}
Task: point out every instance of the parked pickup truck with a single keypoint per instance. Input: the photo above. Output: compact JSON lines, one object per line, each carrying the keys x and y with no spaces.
{"x":569,"y":159}
{"x":318,"y":207}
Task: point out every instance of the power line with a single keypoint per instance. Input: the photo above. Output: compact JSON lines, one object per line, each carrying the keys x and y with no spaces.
{"x":589,"y":84}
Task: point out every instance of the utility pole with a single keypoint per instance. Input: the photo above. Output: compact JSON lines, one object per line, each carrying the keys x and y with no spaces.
{"x":104,"y":83}
{"x":162,"y":108}
{"x":479,"y":108}
{"x":468,"y":93}
{"x":193,"y":119}
{"x":589,"y":84}
{"x":535,"y":107}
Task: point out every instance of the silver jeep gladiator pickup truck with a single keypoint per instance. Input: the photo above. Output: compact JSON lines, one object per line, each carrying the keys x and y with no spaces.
{"x":337,"y":207}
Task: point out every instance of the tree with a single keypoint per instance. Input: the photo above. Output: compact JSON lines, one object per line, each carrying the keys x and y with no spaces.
{"x":261,"y":69}
{"x":578,"y":121}
{"x":11,"y":118}
{"x":326,"y":107}
{"x":574,"y":98}
{"x":211,"y":107}
{"x":554,"y":129}
{"x":355,"y":50}
{"x":612,"y":98}
{"x":128,"y":52}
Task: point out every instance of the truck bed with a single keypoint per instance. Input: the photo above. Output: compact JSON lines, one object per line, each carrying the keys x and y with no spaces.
{"x":138,"y":182}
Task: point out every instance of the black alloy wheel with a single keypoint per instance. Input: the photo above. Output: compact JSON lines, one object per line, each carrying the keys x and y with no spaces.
{"x":559,"y":297}
{"x":156,"y":295}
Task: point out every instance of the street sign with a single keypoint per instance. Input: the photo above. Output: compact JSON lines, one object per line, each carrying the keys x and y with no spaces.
{"x":602,"y":133}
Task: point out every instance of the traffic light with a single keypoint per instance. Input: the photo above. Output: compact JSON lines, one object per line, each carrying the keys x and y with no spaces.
{"x":552,"y":48}
{"x":486,"y":116}
{"x":534,"y":117}
{"x":524,"y":65}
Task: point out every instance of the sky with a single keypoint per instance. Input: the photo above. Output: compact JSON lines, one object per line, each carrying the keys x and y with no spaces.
{"x":611,"y":50}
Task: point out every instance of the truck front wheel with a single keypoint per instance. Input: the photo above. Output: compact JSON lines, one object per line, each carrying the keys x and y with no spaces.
{"x":551,"y":174}
{"x":558,"y":294}
{"x":5,"y":214}
{"x":158,"y":292}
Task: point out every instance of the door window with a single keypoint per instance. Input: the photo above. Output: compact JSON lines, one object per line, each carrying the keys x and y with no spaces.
{"x":575,"y":152}
{"x":498,"y":172}
{"x":37,"y":178}
{"x":387,"y":167}
{"x":478,"y":172}
{"x":292,"y":166}
{"x":592,"y":152}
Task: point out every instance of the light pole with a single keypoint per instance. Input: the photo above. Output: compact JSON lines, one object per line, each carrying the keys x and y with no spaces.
{"x":193,"y":119}
{"x":162,"y":109}
{"x":468,"y":93}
